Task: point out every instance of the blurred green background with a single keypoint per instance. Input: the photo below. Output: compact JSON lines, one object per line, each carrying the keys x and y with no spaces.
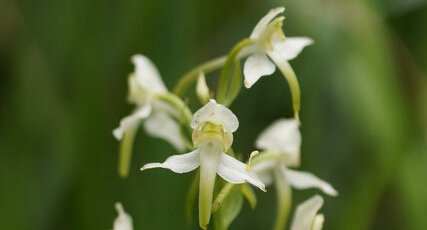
{"x":63,"y":71}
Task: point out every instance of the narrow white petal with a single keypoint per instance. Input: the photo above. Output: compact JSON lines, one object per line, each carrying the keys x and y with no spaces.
{"x":178,"y":163}
{"x":123,"y":221}
{"x":265,"y":20}
{"x":306,"y":213}
{"x":131,"y":121}
{"x":256,"y":66}
{"x":215,"y":113}
{"x":161,"y":125}
{"x":282,"y":136}
{"x":147,"y":74}
{"x":235,"y":172}
{"x":290,"y":47}
{"x":304,"y":180}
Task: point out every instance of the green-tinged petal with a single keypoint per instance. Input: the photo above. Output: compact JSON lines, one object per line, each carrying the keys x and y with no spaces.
{"x":284,"y":200}
{"x":147,"y":74}
{"x":256,"y":66}
{"x":162,"y":125}
{"x":217,"y":114}
{"x":236,"y":172}
{"x":304,"y":180}
{"x":131,"y":121}
{"x":202,"y":89}
{"x":178,"y":163}
{"x":262,"y":24}
{"x":249,"y":194}
{"x":305,"y":215}
{"x":229,"y":210}
{"x":125,"y":153}
{"x":123,"y":221}
{"x":209,"y":158}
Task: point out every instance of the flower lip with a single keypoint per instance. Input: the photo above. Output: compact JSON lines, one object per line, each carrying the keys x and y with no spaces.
{"x":217,"y":114}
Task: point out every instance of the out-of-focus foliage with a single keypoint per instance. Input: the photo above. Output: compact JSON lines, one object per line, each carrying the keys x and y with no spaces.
{"x":64,"y":65}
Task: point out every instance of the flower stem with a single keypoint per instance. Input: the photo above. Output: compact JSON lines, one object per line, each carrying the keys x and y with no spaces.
{"x":291,"y":77}
{"x":224,"y":94}
{"x":191,"y":76}
{"x":177,"y":103}
{"x":221,"y":197}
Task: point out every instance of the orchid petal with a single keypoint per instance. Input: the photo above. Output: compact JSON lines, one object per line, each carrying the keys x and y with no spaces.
{"x":161,"y":125}
{"x":304,"y":180}
{"x":290,"y":47}
{"x":235,"y":172}
{"x":256,"y":66}
{"x":147,"y":74}
{"x":215,"y":113}
{"x":131,"y":121}
{"x":305,"y":214}
{"x":178,"y":163}
{"x":209,"y":158}
{"x":262,"y":24}
{"x":136,"y":94}
{"x":123,"y":221}
{"x":282,"y":136}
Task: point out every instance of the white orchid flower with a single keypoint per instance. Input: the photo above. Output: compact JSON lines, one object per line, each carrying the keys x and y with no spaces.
{"x":159,"y":119}
{"x":281,"y":142}
{"x":123,"y":221}
{"x":144,"y":85}
{"x":213,"y":126}
{"x":306,"y":217}
{"x":271,"y":43}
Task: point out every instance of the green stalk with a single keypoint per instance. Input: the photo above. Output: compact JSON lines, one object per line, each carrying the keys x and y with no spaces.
{"x":225,"y":82}
{"x":284,"y":200}
{"x":221,"y":197}
{"x":190,"y":77}
{"x":291,"y":77}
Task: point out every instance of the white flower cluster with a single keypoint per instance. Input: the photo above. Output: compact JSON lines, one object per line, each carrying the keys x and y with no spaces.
{"x":212,"y":126}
